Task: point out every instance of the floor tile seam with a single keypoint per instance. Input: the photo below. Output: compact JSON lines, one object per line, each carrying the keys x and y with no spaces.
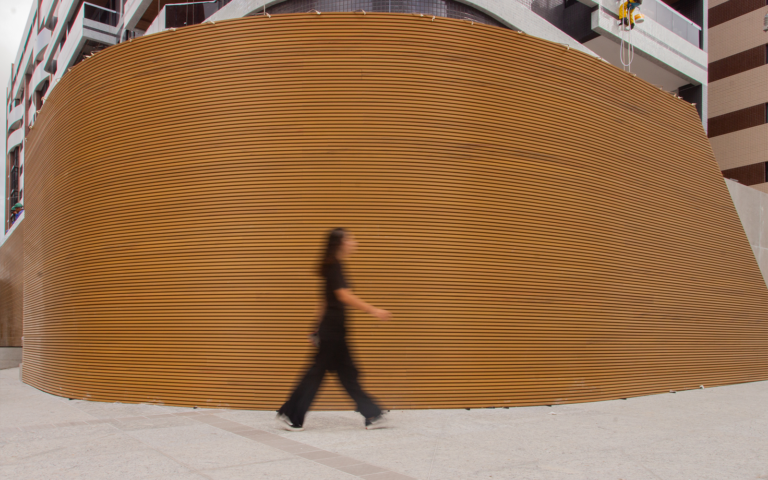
{"x":292,"y":440}
{"x":49,"y":426}
{"x":31,"y":458}
{"x":140,"y":417}
{"x":224,"y":425}
{"x":248,"y":429}
{"x":336,"y":455}
{"x":158,"y":415}
{"x":84,"y":456}
{"x":36,"y":426}
{"x":265,"y":462}
{"x":93,"y":421}
{"x":144,"y":426}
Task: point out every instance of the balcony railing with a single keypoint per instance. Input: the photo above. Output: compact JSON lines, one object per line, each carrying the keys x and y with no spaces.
{"x":15,"y":117}
{"x":15,"y":139}
{"x":183,"y":14}
{"x":90,"y":23}
{"x":177,"y":15}
{"x":100,"y":14}
{"x":39,"y":76}
{"x":20,"y":68}
{"x":47,"y":12}
{"x":41,"y":42}
{"x":672,"y":20}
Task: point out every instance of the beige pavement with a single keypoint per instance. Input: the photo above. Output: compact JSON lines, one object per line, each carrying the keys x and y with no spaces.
{"x":718,"y":433}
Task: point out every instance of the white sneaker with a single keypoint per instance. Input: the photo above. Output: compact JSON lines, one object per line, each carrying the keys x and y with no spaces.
{"x":286,"y":424}
{"x":375,"y":422}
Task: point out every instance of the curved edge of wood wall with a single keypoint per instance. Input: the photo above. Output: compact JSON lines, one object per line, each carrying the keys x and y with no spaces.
{"x":12,"y":288}
{"x":179,"y":187}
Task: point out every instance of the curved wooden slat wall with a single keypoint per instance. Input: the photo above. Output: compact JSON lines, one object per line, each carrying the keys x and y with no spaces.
{"x":12,"y":287}
{"x":179,"y":187}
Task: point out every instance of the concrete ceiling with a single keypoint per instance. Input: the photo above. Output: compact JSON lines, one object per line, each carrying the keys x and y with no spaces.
{"x":644,"y":68}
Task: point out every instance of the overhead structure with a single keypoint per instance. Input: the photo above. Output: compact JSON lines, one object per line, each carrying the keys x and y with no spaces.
{"x":180,"y":185}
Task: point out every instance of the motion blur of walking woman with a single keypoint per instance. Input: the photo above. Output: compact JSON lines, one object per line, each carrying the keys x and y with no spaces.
{"x":333,"y":352}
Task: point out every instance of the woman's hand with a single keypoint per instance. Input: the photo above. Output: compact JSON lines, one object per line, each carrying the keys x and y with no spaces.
{"x":381,"y":314}
{"x":346,"y":296}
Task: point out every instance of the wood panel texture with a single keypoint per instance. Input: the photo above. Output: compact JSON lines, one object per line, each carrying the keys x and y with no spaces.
{"x":12,"y":288}
{"x":179,"y":187}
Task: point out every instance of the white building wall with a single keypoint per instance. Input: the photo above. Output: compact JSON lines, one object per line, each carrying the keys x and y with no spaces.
{"x":752,"y":207}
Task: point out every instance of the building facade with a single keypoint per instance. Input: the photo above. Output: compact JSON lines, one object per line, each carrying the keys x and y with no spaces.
{"x":738,"y":96}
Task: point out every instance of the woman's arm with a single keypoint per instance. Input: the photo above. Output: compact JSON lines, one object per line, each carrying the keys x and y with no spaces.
{"x":346,"y":296}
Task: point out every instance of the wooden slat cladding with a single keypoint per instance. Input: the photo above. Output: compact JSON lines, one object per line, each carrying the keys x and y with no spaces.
{"x":528,"y":257}
{"x":739,"y":120}
{"x":741,"y":62}
{"x":749,"y":174}
{"x":12,"y":288}
{"x":732,"y":9}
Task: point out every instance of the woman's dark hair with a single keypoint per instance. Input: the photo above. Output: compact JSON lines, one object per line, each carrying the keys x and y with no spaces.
{"x":335,"y":238}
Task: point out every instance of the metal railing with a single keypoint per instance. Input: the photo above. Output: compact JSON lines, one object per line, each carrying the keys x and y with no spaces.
{"x":100,"y":14}
{"x":672,"y":20}
{"x":182,"y":14}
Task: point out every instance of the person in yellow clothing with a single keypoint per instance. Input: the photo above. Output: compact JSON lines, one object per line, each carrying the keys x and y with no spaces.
{"x":627,"y":15}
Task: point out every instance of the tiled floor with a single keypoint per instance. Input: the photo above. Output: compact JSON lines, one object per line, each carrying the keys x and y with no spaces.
{"x":719,"y":433}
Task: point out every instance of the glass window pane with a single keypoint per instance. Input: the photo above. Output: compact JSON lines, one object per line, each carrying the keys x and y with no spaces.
{"x":664,"y":17}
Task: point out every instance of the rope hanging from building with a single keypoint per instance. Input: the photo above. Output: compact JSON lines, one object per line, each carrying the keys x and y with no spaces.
{"x":628,"y":17}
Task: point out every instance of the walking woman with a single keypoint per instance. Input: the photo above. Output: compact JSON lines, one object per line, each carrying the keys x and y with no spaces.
{"x":333,"y":352}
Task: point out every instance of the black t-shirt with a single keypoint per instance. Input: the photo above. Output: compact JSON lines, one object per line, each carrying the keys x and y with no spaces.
{"x":334,"y":279}
{"x":333,"y":325}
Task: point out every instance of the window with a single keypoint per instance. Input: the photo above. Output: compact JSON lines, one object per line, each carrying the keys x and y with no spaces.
{"x":13,"y":183}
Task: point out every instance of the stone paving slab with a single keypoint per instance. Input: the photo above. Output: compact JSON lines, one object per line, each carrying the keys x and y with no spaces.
{"x":718,"y":433}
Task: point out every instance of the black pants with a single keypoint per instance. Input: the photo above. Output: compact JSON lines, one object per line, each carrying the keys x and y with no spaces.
{"x":333,"y":354}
